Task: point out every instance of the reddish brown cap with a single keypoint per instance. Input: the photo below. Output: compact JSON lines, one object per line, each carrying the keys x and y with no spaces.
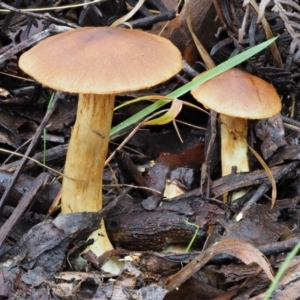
{"x":239,"y":94}
{"x":102,"y":60}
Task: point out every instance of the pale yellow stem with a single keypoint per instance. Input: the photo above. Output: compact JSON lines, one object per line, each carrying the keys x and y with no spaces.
{"x":87,"y":153}
{"x":234,"y":149}
{"x":85,"y":162}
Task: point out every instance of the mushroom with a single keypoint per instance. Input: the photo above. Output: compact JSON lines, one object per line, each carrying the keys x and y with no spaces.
{"x":97,"y":63}
{"x":237,"y":96}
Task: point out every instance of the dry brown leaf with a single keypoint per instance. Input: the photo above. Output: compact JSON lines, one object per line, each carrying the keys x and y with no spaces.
{"x":169,"y":116}
{"x":202,"y":51}
{"x":237,"y":248}
{"x":129,"y":15}
{"x":268,"y":172}
{"x":262,"y":7}
{"x":204,"y":26}
{"x":269,"y":34}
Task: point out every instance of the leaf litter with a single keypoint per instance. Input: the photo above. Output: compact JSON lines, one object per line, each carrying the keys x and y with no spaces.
{"x":37,"y":257}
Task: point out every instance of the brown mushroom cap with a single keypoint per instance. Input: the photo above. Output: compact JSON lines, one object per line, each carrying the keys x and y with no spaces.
{"x":239,"y":94}
{"x":102,"y":60}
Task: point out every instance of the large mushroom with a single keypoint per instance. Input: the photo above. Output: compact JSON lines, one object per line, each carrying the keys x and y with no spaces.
{"x":97,"y":63}
{"x":237,"y":96}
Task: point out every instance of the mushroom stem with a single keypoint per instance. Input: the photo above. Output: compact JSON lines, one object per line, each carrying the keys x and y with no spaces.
{"x":85,"y":162}
{"x":86,"y":154}
{"x":234,"y":149}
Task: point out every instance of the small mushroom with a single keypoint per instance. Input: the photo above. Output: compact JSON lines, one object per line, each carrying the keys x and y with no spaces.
{"x":97,"y":63}
{"x":237,"y":96}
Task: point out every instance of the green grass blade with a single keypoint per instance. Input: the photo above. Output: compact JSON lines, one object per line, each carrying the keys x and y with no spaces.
{"x":230,"y":63}
{"x":281,"y":272}
{"x":194,"y":235}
